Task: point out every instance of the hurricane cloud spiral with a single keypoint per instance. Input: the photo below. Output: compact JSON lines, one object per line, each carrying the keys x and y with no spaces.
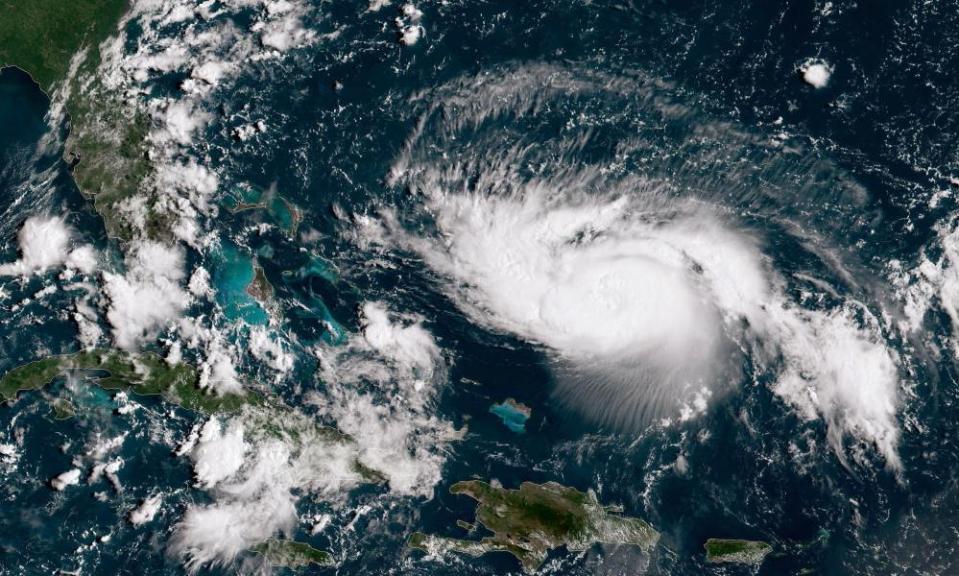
{"x":648,"y":272}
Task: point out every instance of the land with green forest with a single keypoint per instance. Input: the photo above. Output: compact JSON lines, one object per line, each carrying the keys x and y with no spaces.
{"x":42,"y":36}
{"x":292,"y":554}
{"x":721,"y":550}
{"x":106,"y":143}
{"x":147,"y":374}
{"x":535,"y":518}
{"x":144,"y":374}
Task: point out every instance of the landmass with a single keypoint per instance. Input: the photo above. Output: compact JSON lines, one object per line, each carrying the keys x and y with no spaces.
{"x":297,"y":429}
{"x":260,"y":288}
{"x":144,"y":374}
{"x":57,"y":43}
{"x":534,"y":519}
{"x":513,"y":414}
{"x":62,"y":409}
{"x":292,"y":554}
{"x":736,"y":551}
{"x":286,"y":214}
{"x":42,"y":36}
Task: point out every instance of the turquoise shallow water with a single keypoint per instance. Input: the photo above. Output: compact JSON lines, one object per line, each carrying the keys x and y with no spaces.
{"x":513,"y":418}
{"x":232,"y":274}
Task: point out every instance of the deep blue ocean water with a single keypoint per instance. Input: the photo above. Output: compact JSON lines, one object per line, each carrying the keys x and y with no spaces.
{"x":888,"y":123}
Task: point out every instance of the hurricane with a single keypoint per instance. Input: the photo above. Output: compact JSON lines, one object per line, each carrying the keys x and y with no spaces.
{"x":626,"y":242}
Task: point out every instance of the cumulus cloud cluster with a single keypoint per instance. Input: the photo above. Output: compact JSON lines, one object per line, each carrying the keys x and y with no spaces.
{"x":45,"y":243}
{"x":257,"y":464}
{"x":100,"y":458}
{"x":933,"y":282}
{"x":381,"y":388}
{"x":149,"y":296}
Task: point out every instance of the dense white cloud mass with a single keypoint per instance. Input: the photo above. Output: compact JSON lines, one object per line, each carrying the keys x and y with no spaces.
{"x":219,"y":453}
{"x":646,"y":310}
{"x":380,"y":389}
{"x":146,"y":511}
{"x":411,"y":346}
{"x":44,"y":243}
{"x":646,"y":283}
{"x":149,"y":296}
{"x":816,"y":73}
{"x":256,"y":465}
{"x":69,"y":478}
{"x":83,"y":259}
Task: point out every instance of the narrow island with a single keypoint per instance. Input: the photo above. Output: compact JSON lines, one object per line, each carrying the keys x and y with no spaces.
{"x":145,"y":374}
{"x":721,"y":550}
{"x":534,"y":519}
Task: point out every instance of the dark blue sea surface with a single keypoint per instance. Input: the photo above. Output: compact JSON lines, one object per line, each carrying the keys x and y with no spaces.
{"x":863,"y":157}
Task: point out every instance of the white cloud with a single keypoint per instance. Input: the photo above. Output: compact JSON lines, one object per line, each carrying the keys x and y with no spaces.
{"x":146,"y":511}
{"x":214,"y":535}
{"x":279,"y":457}
{"x":193,"y":180}
{"x":408,"y":344}
{"x":931,"y":282}
{"x":68,"y":478}
{"x":646,"y":305}
{"x":89,"y":333}
{"x":377,"y":5}
{"x":108,"y":469}
{"x":44,"y":244}
{"x":381,"y":389}
{"x":270,"y":350}
{"x":180,"y":120}
{"x":83,"y":259}
{"x":148,"y":297}
{"x":218,"y":454}
{"x":816,"y":72}
{"x":218,"y":370}
{"x":200,"y":283}
{"x":838,"y":371}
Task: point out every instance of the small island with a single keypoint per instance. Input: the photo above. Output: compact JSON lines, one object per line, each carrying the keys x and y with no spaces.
{"x":292,"y":554}
{"x":534,"y":519}
{"x":720,"y":550}
{"x":260,"y":288}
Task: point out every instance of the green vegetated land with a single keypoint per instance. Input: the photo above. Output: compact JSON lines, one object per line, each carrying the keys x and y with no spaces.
{"x":536,"y":518}
{"x":736,"y":551}
{"x":292,"y":554}
{"x":144,"y":374}
{"x":41,"y":36}
{"x":106,"y":143}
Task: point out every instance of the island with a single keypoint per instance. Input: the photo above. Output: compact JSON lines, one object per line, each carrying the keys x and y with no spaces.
{"x":721,"y":550}
{"x":292,"y":554}
{"x":260,"y":288}
{"x":535,"y":518}
{"x":285,"y":213}
{"x":145,"y":374}
{"x":62,"y":409}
